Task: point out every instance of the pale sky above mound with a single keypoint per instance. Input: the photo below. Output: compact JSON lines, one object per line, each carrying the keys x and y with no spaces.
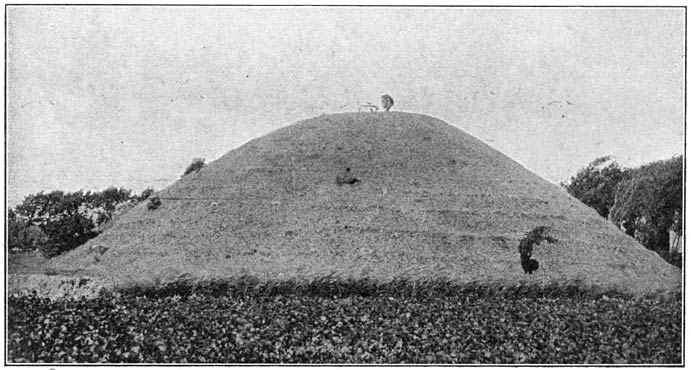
{"x":128,"y":96}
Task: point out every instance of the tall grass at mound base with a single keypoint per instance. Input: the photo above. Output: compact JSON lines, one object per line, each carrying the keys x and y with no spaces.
{"x":335,"y":287}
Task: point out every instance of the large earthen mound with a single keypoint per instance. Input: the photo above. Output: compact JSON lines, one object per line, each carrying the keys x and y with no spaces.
{"x":368,"y":195}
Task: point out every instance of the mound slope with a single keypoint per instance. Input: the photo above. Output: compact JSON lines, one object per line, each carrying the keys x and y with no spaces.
{"x":430,"y":201}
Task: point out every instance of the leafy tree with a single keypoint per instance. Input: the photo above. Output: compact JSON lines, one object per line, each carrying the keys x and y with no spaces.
{"x":22,"y":235}
{"x":66,"y":220}
{"x":196,"y":165}
{"x":596,"y":184}
{"x":106,"y":203}
{"x":646,"y":201}
{"x":67,"y":233}
{"x":61,"y":216}
{"x":650,"y":201}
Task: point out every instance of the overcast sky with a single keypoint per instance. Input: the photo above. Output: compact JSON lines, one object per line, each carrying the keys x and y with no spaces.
{"x":127,"y":96}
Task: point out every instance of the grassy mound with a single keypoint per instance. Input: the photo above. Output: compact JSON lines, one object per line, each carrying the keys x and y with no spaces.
{"x":387,"y":196}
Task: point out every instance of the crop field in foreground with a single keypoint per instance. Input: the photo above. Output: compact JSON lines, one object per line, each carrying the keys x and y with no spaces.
{"x":352,"y":322}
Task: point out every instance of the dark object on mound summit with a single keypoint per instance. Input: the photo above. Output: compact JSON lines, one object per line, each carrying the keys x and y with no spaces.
{"x":386,"y":102}
{"x":525,"y":248}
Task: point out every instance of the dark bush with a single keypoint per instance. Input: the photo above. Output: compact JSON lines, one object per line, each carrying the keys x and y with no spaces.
{"x":154,"y":203}
{"x":650,"y":203}
{"x":146,"y":194}
{"x":196,"y":165}
{"x":66,"y":234}
{"x":596,"y":184}
{"x":525,"y":248}
{"x":672,"y":258}
{"x":23,"y":236}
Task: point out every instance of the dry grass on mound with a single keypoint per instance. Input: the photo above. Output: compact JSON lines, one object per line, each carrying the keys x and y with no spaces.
{"x":26,"y":263}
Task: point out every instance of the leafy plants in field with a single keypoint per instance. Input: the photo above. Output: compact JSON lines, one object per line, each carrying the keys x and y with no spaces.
{"x":252,"y":322}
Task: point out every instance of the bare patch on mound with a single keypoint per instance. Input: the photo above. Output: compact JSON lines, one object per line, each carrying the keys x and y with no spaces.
{"x":57,"y":286}
{"x":430,"y":202}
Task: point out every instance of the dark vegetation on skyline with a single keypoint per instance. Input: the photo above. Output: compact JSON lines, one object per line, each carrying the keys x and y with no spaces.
{"x":196,"y":165}
{"x":57,"y":222}
{"x":646,"y":201}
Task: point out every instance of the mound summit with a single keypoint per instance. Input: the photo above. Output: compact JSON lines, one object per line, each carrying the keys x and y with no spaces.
{"x":359,"y":195}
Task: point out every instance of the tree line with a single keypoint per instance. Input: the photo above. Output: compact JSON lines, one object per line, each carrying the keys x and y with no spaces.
{"x":58,"y":221}
{"x":646,"y":202}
